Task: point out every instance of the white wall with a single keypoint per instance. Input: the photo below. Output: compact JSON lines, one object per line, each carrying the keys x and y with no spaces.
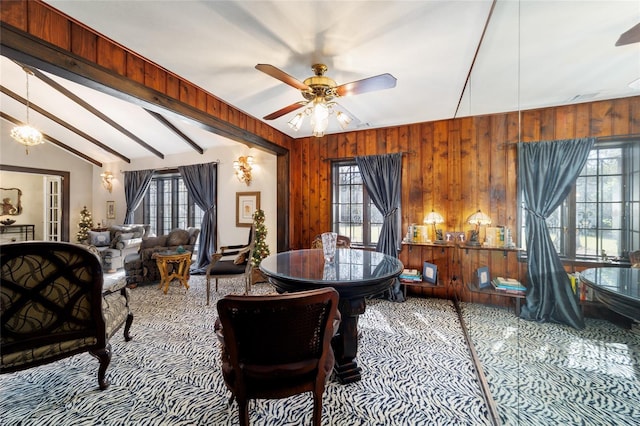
{"x":264,"y":181}
{"x":32,"y":199}
{"x":50,"y":157}
{"x":86,"y":184}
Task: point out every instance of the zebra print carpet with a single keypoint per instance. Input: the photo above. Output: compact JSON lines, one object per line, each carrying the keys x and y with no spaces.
{"x":416,"y":371}
{"x":548,"y":374}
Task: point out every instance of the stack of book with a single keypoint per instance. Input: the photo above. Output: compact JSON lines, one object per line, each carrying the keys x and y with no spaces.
{"x":410,"y":275}
{"x":508,"y":285}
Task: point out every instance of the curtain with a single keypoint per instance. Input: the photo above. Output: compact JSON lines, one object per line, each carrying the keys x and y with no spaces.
{"x":136,"y":184}
{"x":201,"y":182}
{"x":547,"y":170}
{"x":381,"y":175}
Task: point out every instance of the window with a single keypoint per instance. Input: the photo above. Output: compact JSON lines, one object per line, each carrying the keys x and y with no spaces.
{"x":601,"y":215}
{"x":167,"y":205}
{"x":353,"y":212}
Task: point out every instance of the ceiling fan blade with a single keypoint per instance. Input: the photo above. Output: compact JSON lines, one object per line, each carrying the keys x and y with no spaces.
{"x":378,"y":82}
{"x":630,"y":36}
{"x":282,"y":76}
{"x":285,"y":110}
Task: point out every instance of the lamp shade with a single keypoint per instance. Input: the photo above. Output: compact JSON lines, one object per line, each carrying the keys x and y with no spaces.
{"x":433,"y":218}
{"x":479,"y":219}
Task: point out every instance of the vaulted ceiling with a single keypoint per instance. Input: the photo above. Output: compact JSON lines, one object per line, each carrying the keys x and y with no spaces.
{"x":450,"y":59}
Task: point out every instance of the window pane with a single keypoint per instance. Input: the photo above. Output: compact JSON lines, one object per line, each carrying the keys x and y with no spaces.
{"x":610,"y":161}
{"x":353,"y":213}
{"x":611,"y":188}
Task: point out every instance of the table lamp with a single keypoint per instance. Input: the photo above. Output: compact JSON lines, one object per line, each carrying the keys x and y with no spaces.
{"x":477,"y":219}
{"x":433,"y":219}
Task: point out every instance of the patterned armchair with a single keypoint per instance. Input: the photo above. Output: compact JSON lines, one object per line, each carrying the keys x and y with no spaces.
{"x":53,"y":305}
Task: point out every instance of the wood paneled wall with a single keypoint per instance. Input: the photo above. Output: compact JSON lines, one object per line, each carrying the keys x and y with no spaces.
{"x":454,"y":167}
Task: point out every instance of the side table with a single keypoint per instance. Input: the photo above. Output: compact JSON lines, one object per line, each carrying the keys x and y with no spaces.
{"x":179,"y":262}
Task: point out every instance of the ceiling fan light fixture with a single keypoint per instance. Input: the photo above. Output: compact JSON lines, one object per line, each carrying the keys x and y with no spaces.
{"x":319,"y":118}
{"x":343,"y":119}
{"x":296,"y":122}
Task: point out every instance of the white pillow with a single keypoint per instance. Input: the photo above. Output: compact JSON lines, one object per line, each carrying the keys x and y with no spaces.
{"x":99,"y":239}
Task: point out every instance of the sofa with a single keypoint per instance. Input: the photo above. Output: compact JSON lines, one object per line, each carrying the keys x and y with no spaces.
{"x":55,"y":304}
{"x":141,"y":267}
{"x":115,"y":243}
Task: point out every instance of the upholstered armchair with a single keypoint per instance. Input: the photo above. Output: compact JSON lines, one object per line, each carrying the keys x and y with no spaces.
{"x":54,"y":305}
{"x":142,"y":268}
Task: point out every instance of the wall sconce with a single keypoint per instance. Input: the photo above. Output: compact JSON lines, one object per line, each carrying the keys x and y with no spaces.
{"x":477,"y":219}
{"x":243,"y":168}
{"x":107,"y":178}
{"x":434,"y":219}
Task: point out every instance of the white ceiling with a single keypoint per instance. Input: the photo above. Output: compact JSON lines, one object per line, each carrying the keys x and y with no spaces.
{"x":534,"y":54}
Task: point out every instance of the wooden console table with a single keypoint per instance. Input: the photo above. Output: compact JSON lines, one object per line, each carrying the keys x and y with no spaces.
{"x":173,"y":266}
{"x":26,"y":232}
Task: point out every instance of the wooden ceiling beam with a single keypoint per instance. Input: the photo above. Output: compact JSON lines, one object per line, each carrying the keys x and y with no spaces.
{"x":54,"y":141}
{"x":62,"y":123}
{"x":175,"y":130}
{"x":25,"y":48}
{"x":73,"y":97}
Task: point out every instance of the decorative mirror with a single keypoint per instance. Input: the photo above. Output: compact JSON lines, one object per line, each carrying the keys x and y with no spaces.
{"x":11,"y":201}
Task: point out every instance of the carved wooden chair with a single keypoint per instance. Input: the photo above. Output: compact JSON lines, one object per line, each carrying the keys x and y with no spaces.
{"x":231,"y":262}
{"x":54,"y":305}
{"x":277,"y":346}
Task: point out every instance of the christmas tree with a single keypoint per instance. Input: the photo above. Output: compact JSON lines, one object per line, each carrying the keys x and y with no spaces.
{"x":261,"y":249}
{"x":86,"y":223}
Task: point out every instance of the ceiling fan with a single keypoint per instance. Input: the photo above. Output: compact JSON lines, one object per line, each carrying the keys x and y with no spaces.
{"x":319,"y":92}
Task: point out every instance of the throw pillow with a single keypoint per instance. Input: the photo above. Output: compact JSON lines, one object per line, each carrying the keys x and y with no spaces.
{"x":178,"y":237}
{"x":99,"y":239}
{"x":242,"y":256}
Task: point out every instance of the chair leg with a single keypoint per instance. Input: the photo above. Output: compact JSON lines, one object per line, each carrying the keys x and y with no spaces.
{"x":104,"y":356}
{"x":243,"y":411}
{"x":317,"y":408}
{"x":208,"y":289}
{"x":127,"y":326}
{"x":216,"y":285}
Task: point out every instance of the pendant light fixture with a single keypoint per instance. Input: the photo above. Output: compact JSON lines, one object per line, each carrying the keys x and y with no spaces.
{"x":25,"y":134}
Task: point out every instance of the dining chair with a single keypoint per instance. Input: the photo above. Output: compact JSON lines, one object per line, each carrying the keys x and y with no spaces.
{"x":277,"y":346}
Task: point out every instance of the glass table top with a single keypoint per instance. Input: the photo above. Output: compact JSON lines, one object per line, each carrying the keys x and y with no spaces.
{"x":620,"y":281}
{"x":349,"y":266}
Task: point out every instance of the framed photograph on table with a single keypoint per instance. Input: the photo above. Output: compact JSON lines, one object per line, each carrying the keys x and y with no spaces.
{"x":483,"y":278}
{"x":430,"y":273}
{"x":246,"y":205}
{"x":111,"y":209}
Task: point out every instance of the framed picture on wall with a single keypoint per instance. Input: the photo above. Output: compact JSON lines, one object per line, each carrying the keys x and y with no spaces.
{"x":111,"y":209}
{"x":246,"y":205}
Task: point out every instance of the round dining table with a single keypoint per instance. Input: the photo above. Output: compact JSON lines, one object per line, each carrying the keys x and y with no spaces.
{"x":617,"y":288}
{"x":355,"y":273}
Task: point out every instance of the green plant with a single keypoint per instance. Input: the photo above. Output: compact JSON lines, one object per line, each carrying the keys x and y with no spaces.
{"x":261,"y":249}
